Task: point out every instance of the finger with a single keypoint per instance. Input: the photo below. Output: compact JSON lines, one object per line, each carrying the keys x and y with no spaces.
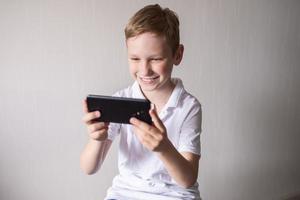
{"x":97,"y":126}
{"x":85,"y":107}
{"x":156,"y":120}
{"x":87,"y":118}
{"x":151,"y":133}
{"x":101,"y":134}
{"x":148,"y":136}
{"x":144,"y":138}
{"x":141,"y":125}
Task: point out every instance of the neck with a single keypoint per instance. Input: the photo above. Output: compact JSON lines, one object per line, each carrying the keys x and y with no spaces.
{"x":160,"y":96}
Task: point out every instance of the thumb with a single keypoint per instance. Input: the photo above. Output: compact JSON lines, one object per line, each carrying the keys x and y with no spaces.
{"x":156,"y":120}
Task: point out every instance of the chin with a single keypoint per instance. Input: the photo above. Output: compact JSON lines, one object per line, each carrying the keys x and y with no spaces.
{"x":147,"y":88}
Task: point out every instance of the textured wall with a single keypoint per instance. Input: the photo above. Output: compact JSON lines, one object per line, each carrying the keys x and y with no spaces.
{"x":242,"y":61}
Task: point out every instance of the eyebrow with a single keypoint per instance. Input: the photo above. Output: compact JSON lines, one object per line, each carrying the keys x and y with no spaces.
{"x":151,"y":56}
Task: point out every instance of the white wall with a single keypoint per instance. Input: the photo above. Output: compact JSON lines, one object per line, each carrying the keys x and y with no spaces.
{"x":242,"y":61}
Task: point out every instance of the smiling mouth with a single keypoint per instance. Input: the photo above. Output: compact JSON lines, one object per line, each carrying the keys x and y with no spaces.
{"x":148,"y":79}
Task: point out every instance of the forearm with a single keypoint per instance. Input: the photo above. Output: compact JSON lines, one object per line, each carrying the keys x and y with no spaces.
{"x":93,"y":155}
{"x":178,"y":167}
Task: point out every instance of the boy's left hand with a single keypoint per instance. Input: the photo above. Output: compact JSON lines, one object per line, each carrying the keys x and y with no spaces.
{"x":153,"y":137}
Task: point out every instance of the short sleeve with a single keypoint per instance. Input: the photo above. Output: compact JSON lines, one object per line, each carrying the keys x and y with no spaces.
{"x":189,"y":139}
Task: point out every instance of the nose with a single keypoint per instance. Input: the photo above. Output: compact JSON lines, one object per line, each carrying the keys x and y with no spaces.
{"x":145,"y":68}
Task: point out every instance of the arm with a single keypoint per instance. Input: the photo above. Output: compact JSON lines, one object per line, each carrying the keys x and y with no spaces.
{"x":93,"y":155}
{"x":183,"y":167}
{"x":98,"y":145}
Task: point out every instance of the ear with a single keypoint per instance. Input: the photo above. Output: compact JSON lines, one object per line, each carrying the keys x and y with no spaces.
{"x":178,"y":55}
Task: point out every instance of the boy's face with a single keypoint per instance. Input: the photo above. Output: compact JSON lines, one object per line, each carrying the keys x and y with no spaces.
{"x":150,"y":61}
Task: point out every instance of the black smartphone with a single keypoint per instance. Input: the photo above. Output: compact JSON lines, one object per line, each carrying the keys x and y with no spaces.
{"x":119,"y":109}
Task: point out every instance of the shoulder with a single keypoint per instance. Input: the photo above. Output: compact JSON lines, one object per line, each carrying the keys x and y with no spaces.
{"x":184,"y":103}
{"x":189,"y":99}
{"x":189,"y":102}
{"x":183,"y":98}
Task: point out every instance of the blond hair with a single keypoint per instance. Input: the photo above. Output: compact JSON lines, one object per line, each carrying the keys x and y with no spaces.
{"x":154,"y":19}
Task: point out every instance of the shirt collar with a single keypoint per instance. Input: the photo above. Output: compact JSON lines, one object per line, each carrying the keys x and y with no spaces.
{"x":176,"y":93}
{"x":173,"y":99}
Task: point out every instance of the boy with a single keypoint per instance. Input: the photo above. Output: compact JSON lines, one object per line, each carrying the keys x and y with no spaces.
{"x":158,"y":161}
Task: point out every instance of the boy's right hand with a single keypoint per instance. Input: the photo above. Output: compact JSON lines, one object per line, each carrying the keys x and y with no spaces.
{"x":96,"y":130}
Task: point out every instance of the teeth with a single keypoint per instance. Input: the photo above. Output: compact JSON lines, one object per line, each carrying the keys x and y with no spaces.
{"x":148,"y":79}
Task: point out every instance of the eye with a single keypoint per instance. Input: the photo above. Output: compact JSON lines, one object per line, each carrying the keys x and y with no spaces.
{"x":157,"y":59}
{"x":134,"y":59}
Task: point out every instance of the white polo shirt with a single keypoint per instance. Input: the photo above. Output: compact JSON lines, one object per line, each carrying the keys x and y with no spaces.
{"x":142,"y":175}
